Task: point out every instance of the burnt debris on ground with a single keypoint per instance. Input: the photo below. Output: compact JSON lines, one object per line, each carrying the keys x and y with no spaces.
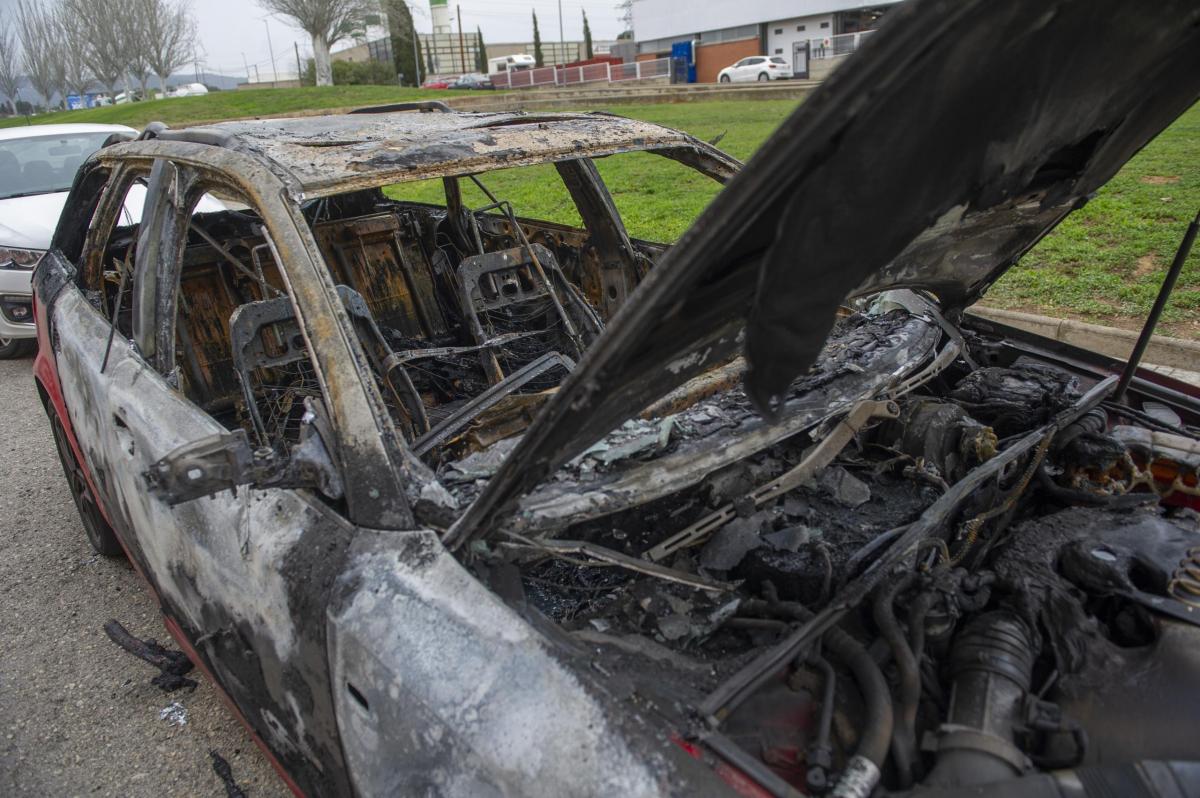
{"x":172,"y":665}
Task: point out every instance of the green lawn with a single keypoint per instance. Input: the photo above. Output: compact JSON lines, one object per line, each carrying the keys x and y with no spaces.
{"x":1103,"y":264}
{"x":218,"y":105}
{"x":657,"y":197}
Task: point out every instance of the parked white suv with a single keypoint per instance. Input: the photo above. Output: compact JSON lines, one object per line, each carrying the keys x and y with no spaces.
{"x":37,"y":166}
{"x":756,"y":68}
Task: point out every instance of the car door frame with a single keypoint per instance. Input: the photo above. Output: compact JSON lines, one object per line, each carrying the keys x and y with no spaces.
{"x":241,"y":579}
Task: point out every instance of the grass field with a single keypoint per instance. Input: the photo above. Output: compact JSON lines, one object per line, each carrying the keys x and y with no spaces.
{"x":1103,"y":264}
{"x":181,"y":111}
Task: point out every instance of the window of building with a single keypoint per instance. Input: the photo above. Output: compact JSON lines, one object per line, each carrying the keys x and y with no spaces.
{"x":778,"y":50}
{"x":801,"y":27}
{"x":824,"y":24}
{"x":778,"y":31}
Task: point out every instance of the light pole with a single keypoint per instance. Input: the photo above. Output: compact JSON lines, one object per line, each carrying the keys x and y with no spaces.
{"x":562,"y":42}
{"x":462,"y":51}
{"x":246,"y":64}
{"x":271,"y":51}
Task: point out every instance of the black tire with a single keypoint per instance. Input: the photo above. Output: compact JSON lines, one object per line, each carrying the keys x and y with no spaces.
{"x":13,"y":348}
{"x":723,"y":79}
{"x":763,"y":77}
{"x":99,"y":533}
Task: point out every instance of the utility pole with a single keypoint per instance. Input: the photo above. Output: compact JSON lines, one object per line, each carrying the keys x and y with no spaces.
{"x":416,"y":54}
{"x":562,"y":42}
{"x":462,"y":51}
{"x":271,"y":50}
{"x":299,"y":72}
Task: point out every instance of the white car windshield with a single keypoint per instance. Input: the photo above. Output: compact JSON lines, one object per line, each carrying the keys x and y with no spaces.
{"x":44,"y":164}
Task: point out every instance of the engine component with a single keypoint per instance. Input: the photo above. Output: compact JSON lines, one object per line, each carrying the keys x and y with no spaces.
{"x":1185,"y":581}
{"x":1164,"y":462}
{"x":944,"y":436}
{"x":991,"y":663}
{"x":1145,"y":779}
{"x":1017,"y":399}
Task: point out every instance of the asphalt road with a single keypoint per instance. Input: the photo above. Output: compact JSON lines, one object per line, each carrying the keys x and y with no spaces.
{"x":78,"y":716}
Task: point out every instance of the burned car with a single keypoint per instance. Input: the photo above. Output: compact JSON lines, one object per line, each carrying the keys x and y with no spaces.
{"x":451,"y":501}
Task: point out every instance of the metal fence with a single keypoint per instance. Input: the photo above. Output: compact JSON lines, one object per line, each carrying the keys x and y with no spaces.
{"x":834,"y":46}
{"x":591,"y":73}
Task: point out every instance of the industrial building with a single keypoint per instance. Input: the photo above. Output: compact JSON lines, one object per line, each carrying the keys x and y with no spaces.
{"x":449,"y":51}
{"x":722,"y":33}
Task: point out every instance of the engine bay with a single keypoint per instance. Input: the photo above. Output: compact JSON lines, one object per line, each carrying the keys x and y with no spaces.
{"x":779,"y":611}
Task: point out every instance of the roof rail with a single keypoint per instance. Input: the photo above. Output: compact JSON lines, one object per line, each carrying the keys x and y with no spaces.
{"x":424,"y":106}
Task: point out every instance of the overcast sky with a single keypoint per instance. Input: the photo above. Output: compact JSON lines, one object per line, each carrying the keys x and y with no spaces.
{"x":229,"y":28}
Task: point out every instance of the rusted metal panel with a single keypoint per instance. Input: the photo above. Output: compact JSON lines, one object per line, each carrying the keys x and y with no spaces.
{"x":322,"y":156}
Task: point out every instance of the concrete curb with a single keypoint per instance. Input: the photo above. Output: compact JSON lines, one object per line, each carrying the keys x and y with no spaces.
{"x":1163,"y":351}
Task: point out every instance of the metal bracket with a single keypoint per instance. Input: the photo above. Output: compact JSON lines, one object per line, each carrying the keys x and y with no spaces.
{"x":817,"y":458}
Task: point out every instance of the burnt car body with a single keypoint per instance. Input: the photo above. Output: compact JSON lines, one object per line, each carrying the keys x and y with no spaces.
{"x":454,"y":502}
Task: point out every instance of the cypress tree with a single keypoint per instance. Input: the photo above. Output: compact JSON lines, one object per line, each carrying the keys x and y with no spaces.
{"x":538,"y":59}
{"x":481,"y":59}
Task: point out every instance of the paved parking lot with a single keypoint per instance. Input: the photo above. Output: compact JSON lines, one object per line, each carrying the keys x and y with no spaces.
{"x":78,"y":716}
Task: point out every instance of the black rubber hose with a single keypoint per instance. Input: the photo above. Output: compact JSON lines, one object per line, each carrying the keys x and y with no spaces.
{"x":917,"y":612}
{"x":877,"y":726}
{"x":904,"y":732}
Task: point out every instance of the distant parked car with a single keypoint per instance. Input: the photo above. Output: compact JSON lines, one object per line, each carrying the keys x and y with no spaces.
{"x":187,"y":90}
{"x":37,"y":167}
{"x":436,"y":83}
{"x":756,"y":68}
{"x":474,"y":80}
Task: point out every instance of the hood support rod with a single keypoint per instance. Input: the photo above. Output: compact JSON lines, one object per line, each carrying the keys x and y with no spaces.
{"x":1164,"y":293}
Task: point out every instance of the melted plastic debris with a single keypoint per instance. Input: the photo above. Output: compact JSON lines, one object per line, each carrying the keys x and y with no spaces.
{"x":480,"y":465}
{"x":635,"y":438}
{"x":845,"y":488}
{"x":732,"y":542}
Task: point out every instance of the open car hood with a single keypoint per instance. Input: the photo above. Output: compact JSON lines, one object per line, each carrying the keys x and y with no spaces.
{"x":961,"y":134}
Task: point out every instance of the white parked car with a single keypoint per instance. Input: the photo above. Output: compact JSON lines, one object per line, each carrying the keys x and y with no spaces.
{"x":37,"y":166}
{"x":187,"y":90}
{"x":756,"y":68}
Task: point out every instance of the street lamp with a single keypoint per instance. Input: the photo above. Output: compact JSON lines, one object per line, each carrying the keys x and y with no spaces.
{"x":271,"y":50}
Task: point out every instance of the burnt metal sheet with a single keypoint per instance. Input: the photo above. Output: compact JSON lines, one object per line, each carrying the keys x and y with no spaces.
{"x":326,"y":155}
{"x":961,"y":134}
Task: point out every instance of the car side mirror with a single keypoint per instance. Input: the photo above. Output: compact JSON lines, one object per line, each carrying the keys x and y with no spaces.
{"x":226,"y":461}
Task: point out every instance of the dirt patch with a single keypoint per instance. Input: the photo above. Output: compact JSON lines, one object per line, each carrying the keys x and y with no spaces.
{"x":1159,"y":180}
{"x":1147,"y":264}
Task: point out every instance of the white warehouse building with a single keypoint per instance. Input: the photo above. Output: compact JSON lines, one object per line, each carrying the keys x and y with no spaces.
{"x":724,"y":32}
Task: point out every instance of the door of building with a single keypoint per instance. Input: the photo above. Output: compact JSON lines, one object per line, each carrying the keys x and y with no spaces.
{"x":800,"y":60}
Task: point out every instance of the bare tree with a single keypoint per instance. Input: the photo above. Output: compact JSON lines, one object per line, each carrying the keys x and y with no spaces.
{"x":9,"y":64}
{"x":327,"y":22}
{"x":168,"y":30}
{"x":103,"y":40}
{"x":37,"y":32}
{"x":138,"y":47}
{"x":73,"y":64}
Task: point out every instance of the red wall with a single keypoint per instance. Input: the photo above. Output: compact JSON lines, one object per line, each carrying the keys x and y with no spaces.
{"x":712,"y":58}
